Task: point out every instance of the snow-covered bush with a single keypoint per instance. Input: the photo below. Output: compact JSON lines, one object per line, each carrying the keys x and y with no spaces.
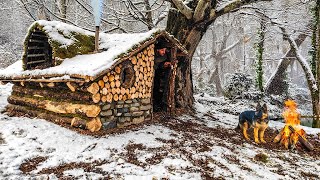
{"x":240,"y":86}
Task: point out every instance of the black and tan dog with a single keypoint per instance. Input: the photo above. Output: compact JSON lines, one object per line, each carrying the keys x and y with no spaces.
{"x":258,"y":120}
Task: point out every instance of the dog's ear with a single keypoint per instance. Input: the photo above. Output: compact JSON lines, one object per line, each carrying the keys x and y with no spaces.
{"x":265,"y":108}
{"x":258,"y":107}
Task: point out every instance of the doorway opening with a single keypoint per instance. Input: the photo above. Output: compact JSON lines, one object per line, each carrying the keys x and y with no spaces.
{"x":161,"y":76}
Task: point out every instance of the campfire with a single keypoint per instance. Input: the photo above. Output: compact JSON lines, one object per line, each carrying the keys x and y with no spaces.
{"x":292,"y":131}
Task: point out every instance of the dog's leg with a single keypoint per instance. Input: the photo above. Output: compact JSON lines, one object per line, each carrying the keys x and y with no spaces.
{"x":255,"y":133}
{"x":263,"y":127}
{"x":244,"y":130}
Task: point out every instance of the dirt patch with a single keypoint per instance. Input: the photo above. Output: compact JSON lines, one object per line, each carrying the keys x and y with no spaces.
{"x":131,"y":154}
{"x":31,"y":164}
{"x":309,"y":175}
{"x":2,"y":141}
{"x":87,"y":167}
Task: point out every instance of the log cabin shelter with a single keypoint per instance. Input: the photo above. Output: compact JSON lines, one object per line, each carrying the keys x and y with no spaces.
{"x":61,"y":79}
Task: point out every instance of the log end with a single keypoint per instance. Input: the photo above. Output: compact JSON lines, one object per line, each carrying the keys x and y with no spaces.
{"x":94,"y":125}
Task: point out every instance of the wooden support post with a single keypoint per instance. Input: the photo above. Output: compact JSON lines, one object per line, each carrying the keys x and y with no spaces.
{"x":172,"y":77}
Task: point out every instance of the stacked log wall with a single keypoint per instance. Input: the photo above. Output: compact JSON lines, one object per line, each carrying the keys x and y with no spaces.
{"x":125,"y":92}
{"x":52,"y":102}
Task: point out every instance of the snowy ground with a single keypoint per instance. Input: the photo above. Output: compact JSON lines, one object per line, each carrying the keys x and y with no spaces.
{"x":202,"y":147}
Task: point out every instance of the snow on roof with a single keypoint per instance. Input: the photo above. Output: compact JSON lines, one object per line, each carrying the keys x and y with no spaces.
{"x":113,"y":46}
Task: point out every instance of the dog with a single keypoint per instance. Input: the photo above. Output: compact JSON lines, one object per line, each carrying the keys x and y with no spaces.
{"x":258,"y":120}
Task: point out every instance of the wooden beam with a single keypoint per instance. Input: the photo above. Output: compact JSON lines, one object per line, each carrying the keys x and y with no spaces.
{"x":83,"y":97}
{"x":36,"y":47}
{"x":44,"y":80}
{"x":35,"y":62}
{"x":36,"y":55}
{"x":56,"y":107}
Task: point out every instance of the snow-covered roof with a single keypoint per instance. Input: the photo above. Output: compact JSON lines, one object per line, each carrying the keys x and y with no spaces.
{"x":114,"y":47}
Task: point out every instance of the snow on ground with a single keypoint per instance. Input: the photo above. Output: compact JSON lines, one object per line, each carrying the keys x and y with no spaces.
{"x":161,"y":150}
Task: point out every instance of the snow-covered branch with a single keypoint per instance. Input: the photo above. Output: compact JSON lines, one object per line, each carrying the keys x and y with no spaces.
{"x":303,"y":62}
{"x":200,"y":10}
{"x":183,"y":8}
{"x":231,"y":6}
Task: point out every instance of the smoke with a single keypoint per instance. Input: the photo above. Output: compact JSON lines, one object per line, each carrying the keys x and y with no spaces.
{"x":97,"y":11}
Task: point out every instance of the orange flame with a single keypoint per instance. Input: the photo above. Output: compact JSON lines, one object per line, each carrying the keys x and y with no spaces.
{"x":291,"y":117}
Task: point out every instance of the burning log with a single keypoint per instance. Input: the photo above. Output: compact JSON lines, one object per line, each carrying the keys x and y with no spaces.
{"x":291,"y":133}
{"x":302,"y":140}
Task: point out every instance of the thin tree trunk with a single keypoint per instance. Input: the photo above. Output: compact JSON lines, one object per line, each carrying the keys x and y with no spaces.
{"x":216,"y":79}
{"x":315,"y":99}
{"x":148,"y":15}
{"x":63,"y":10}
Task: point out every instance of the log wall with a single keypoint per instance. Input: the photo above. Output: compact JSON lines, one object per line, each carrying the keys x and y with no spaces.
{"x":119,"y":98}
{"x":125,"y":92}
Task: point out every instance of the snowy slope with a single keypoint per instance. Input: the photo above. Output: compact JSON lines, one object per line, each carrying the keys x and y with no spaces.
{"x":174,"y":149}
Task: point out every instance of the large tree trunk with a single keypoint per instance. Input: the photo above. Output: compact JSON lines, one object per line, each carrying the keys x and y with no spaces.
{"x":188,"y":21}
{"x":189,"y":35}
{"x":276,"y":84}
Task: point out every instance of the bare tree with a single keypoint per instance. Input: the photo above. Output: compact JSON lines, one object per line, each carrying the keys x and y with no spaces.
{"x":188,"y":21}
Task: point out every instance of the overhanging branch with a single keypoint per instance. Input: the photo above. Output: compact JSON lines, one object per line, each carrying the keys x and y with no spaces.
{"x":200,"y":10}
{"x":184,"y":9}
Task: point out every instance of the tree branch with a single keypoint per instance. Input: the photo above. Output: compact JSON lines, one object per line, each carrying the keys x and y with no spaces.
{"x":302,"y":61}
{"x":229,"y":7}
{"x":184,"y":9}
{"x":200,"y":10}
{"x":25,"y":7}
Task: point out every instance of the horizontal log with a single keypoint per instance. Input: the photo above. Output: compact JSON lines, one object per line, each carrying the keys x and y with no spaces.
{"x":36,"y":47}
{"x":43,"y":80}
{"x":16,"y":110}
{"x":111,"y":78}
{"x":92,"y":124}
{"x":36,"y":55}
{"x":38,"y":35}
{"x":93,"y":88}
{"x":57,"y":107}
{"x":101,"y":84}
{"x":72,"y":86}
{"x":134,"y":60}
{"x":46,"y":78}
{"x":78,"y":122}
{"x":36,"y":62}
{"x":50,"y":84}
{"x":104,"y":98}
{"x":54,"y":94}
{"x":118,"y":69}
{"x":96,"y":98}
{"x":37,"y":40}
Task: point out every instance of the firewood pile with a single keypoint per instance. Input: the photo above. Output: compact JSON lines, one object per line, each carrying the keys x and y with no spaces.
{"x":126,"y":81}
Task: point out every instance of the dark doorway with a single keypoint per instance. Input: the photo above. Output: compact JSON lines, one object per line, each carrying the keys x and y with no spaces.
{"x":161,"y":76}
